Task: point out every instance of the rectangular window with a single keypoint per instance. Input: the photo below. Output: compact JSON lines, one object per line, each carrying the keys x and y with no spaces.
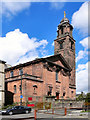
{"x":61,"y":45}
{"x":20,"y":71}
{"x":56,"y":76}
{"x":14,"y":88}
{"x":20,"y":87}
{"x":11,"y":73}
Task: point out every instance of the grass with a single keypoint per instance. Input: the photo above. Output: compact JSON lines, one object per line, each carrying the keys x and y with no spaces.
{"x":85,"y":111}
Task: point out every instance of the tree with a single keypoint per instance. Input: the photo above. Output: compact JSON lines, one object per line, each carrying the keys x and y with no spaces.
{"x":87,"y":99}
{"x":80,"y":97}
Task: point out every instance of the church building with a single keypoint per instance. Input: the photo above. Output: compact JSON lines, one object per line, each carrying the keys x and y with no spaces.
{"x":52,"y":76}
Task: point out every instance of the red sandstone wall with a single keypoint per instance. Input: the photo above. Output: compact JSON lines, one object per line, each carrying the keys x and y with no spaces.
{"x":11,"y":88}
{"x":33,"y":69}
{"x":49,"y":79}
{"x":27,"y":85}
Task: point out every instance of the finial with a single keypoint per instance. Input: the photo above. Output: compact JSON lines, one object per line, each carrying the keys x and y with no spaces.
{"x":64,"y":14}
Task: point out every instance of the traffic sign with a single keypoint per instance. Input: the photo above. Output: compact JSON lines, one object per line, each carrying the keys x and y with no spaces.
{"x":21,"y":96}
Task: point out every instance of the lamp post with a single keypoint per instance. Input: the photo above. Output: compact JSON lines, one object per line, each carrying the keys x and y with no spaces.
{"x":21,"y":88}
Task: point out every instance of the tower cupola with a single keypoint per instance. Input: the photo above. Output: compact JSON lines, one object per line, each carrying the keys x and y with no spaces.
{"x":64,"y":27}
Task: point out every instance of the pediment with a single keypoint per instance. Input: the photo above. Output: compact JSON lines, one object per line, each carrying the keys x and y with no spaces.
{"x":59,"y":60}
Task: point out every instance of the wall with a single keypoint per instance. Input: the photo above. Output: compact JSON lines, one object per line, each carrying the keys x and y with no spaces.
{"x":35,"y":78}
{"x":2,"y":66}
{"x":68,"y":103}
{"x":43,"y":78}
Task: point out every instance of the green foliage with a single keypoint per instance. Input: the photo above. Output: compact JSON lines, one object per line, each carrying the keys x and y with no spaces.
{"x":84,"y":97}
{"x":85,"y":111}
{"x":87,"y":99}
{"x":80,"y":97}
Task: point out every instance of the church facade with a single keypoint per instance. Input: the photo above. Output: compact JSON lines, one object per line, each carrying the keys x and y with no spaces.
{"x":53,"y":76}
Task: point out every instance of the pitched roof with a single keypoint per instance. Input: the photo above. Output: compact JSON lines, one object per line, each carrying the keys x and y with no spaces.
{"x":37,"y":60}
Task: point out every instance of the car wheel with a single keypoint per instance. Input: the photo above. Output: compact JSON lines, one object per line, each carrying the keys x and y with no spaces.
{"x":27,"y":111}
{"x":10,"y":113}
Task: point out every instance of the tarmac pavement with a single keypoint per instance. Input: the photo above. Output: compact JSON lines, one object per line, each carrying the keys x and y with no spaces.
{"x":76,"y":115}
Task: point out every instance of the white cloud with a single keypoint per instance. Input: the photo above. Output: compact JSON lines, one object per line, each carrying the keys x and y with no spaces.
{"x":82,"y":69}
{"x":84,"y":42}
{"x":28,"y":57}
{"x":57,"y":5}
{"x":80,"y":19}
{"x":17,"y":46}
{"x":13,"y":8}
{"x":82,"y":78}
{"x":83,"y":53}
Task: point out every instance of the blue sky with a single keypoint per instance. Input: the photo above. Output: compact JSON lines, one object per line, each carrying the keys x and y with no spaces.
{"x":29,"y":29}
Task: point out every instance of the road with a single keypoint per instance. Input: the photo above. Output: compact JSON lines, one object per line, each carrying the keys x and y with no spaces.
{"x":44,"y":116}
{"x":48,"y":119}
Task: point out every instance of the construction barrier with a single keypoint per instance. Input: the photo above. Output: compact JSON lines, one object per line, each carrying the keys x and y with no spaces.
{"x":35,"y":114}
{"x":65,"y":111}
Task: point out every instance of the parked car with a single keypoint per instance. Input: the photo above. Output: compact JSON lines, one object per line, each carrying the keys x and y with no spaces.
{"x":16,"y":110}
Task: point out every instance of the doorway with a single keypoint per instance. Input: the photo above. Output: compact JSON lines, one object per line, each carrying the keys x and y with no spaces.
{"x":57,"y":95}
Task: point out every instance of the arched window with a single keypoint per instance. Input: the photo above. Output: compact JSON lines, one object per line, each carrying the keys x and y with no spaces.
{"x":15,"y":89}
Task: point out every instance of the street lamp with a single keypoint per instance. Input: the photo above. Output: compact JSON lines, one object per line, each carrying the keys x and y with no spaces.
{"x":21,"y":73}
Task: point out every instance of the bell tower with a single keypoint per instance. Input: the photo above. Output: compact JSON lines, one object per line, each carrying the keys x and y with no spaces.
{"x":65,"y":45}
